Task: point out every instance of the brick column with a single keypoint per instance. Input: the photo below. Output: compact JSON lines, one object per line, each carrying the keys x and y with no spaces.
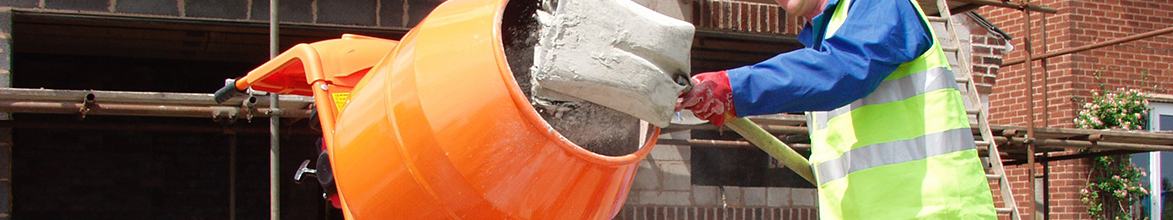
{"x":5,"y":133}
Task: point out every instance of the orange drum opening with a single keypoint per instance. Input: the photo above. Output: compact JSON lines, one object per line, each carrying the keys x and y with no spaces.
{"x":593,"y":127}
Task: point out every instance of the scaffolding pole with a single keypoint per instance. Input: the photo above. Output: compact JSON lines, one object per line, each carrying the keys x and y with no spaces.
{"x":1096,"y":45}
{"x":274,"y":122}
{"x":1046,"y":211}
{"x":231,"y":175}
{"x":1030,"y":112}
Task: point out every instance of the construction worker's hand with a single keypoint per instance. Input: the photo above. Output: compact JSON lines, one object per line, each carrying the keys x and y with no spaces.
{"x":711,"y":97}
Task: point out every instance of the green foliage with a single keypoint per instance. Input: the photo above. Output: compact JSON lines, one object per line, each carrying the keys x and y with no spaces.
{"x":1113,"y":188}
{"x":1123,"y":109}
{"x":1114,"y":183}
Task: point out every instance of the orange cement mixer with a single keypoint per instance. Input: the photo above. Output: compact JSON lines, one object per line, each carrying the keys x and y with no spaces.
{"x":435,"y":127}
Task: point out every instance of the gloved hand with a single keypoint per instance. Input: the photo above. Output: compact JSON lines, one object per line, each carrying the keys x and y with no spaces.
{"x":711,"y":97}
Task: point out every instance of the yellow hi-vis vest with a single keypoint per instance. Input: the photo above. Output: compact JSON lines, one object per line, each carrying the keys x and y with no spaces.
{"x":903,"y":152}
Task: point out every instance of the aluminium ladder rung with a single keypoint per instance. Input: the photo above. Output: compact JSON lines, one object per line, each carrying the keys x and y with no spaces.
{"x":1003,"y":210}
{"x":937,"y":19}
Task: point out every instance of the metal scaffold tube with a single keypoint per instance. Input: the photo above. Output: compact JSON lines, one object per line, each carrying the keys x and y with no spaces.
{"x":215,"y":112}
{"x":274,"y":122}
{"x":231,"y":175}
{"x":1095,"y":45}
{"x":1030,"y":114}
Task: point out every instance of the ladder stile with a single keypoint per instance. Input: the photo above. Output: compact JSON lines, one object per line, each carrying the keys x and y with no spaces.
{"x":997,"y":171}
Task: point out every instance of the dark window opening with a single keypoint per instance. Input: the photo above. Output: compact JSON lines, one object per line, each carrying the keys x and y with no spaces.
{"x":746,"y":167}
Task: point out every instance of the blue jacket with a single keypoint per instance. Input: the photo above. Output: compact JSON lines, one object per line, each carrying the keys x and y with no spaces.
{"x":830,"y":72}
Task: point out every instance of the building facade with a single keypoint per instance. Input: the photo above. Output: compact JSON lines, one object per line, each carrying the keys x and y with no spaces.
{"x":74,"y":169}
{"x":1069,"y":79}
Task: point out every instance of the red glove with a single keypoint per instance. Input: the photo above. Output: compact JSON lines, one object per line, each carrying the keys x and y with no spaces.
{"x":711,"y":98}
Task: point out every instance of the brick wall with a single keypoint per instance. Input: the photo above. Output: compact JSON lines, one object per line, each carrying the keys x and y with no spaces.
{"x":987,"y":54}
{"x":739,"y":16}
{"x":746,"y":17}
{"x":1143,"y":64}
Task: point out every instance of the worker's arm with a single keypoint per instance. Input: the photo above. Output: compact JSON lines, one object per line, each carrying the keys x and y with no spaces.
{"x":876,"y":38}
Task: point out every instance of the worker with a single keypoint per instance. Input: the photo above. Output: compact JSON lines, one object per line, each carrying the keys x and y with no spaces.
{"x":892,"y":139}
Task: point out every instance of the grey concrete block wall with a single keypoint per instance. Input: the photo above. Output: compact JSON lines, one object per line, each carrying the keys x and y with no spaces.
{"x":754,"y":196}
{"x":383,"y":13}
{"x":287,"y":10}
{"x":391,"y":13}
{"x":5,"y":46}
{"x":646,"y":178}
{"x":20,"y":3}
{"x":353,"y":12}
{"x":706,"y":196}
{"x":229,"y":9}
{"x":417,"y":10}
{"x":82,"y":5}
{"x":151,"y":7}
{"x":675,"y":176}
{"x":5,"y":133}
{"x":804,"y":197}
{"x":776,"y":196}
{"x":664,"y":180}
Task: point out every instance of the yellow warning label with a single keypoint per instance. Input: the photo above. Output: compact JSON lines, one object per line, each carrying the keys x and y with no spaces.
{"x":340,"y":99}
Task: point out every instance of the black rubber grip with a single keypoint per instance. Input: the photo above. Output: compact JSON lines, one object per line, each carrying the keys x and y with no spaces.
{"x":228,"y":92}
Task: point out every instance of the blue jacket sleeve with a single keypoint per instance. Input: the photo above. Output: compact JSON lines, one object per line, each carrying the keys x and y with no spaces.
{"x":876,"y":38}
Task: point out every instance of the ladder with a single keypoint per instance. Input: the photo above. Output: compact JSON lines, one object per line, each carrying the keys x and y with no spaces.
{"x":994,"y":170}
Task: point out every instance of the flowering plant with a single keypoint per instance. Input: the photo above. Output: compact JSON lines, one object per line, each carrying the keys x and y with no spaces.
{"x":1114,"y":182}
{"x":1122,"y":109}
{"x":1113,"y":187}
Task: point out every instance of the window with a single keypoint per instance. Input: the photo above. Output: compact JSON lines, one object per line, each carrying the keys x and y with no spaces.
{"x":1154,"y":163}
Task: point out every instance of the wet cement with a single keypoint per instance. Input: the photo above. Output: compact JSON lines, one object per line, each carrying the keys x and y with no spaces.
{"x":593,"y":127}
{"x":614,"y":53}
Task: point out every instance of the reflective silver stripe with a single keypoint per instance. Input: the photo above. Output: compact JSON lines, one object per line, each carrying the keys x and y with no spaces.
{"x":894,"y":152}
{"x":914,"y":84}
